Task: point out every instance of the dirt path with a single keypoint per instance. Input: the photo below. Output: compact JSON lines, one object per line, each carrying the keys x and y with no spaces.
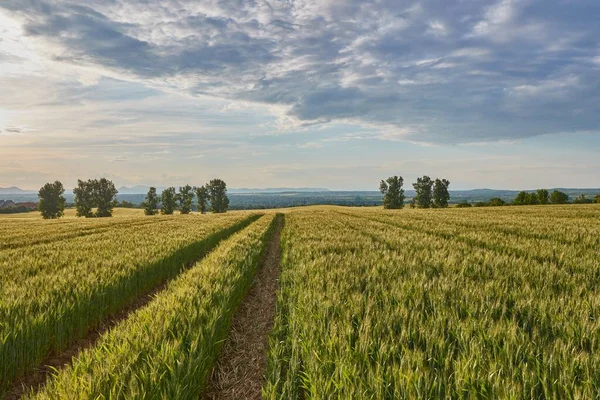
{"x":240,"y":370}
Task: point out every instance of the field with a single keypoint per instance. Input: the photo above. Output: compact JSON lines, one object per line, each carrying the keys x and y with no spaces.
{"x":452,"y":303}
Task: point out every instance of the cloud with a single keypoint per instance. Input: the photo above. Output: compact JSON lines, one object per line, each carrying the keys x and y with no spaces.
{"x":310,"y":145}
{"x":435,"y":71}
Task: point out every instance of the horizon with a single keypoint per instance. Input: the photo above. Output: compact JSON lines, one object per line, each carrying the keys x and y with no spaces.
{"x":315,"y":189}
{"x":496,"y":93}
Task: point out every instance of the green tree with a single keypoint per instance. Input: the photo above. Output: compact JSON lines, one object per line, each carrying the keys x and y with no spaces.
{"x":150,"y":204}
{"x":526,"y":199}
{"x":496,"y":202}
{"x":219,"y":202}
{"x":597,"y":199}
{"x":393,"y":193}
{"x":581,"y":199}
{"x":169,"y":199}
{"x":423,"y":188}
{"x":464,"y":204}
{"x":203,"y":197}
{"x":543,"y":196}
{"x":441,"y":195}
{"x":84,"y":198}
{"x":105,"y":196}
{"x":186,"y":198}
{"x":52,"y":202}
{"x":558,"y":197}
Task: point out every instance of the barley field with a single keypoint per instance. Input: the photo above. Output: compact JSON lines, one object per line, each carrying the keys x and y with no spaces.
{"x":454,"y":303}
{"x":498,"y":302}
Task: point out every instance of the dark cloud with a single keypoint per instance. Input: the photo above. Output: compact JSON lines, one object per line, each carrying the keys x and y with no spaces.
{"x":437,"y":70}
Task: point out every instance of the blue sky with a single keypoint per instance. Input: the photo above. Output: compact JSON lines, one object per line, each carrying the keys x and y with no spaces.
{"x":296,"y":93}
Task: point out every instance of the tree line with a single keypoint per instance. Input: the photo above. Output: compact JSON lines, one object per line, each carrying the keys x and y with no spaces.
{"x":98,"y":197}
{"x":429,"y":193}
{"x":539,"y":197}
{"x":213,"y":195}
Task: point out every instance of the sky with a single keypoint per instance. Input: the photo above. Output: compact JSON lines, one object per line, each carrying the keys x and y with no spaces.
{"x":300,"y":93}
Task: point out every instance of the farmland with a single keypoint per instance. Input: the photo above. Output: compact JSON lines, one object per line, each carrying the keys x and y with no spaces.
{"x":447,"y":303}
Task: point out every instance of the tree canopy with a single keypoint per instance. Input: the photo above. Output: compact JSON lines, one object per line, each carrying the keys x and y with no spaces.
{"x":168,"y":200}
{"x":219,"y":202}
{"x":186,"y":199}
{"x":423,"y":197}
{"x":393,"y":193}
{"x":441,"y":195}
{"x":100,"y":194}
{"x":52,"y":202}
{"x":150,"y":204}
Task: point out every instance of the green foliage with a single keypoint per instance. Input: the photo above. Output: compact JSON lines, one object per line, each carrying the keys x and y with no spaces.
{"x":52,"y":202}
{"x":526,"y":199}
{"x":393,"y":193}
{"x":441,"y":195}
{"x":464,"y":204}
{"x":543,"y":196}
{"x":105,"y":195}
{"x":168,"y":201}
{"x":424,"y":195}
{"x":219,"y":202}
{"x":480,"y":204}
{"x":84,"y":198}
{"x":597,"y":199}
{"x":582,"y":199}
{"x":203,"y":198}
{"x":558,"y":197}
{"x":186,"y":198}
{"x":100,"y":194}
{"x":496,"y":202}
{"x":150,"y":204}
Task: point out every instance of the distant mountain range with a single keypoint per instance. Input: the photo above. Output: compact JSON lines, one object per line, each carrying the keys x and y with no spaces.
{"x":14,"y":190}
{"x":142,"y":189}
{"x":473,"y":195}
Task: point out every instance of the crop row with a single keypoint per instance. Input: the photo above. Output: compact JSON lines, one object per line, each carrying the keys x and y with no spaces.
{"x":168,"y":348}
{"x":52,"y":293}
{"x":384,"y":305}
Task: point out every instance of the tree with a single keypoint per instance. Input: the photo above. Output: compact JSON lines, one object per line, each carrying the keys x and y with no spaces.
{"x":150,"y":204}
{"x":496,"y":202}
{"x":169,"y":198}
{"x":219,"y":202}
{"x":543,"y":196}
{"x":423,"y":188}
{"x":203,"y":197}
{"x":186,"y":198}
{"x":105,"y":196}
{"x":441,"y":195}
{"x":526,"y":199}
{"x":597,"y":199}
{"x":52,"y":202}
{"x":84,"y":198}
{"x":558,"y":197}
{"x":581,"y":199}
{"x":464,"y":204}
{"x":393,"y":194}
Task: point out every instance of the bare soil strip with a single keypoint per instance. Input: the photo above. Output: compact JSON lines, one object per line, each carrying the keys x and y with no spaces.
{"x":241,"y":367}
{"x":38,"y":377}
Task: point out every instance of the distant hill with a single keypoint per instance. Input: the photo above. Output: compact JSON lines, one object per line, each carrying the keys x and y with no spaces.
{"x":14,"y":190}
{"x":279,"y":190}
{"x":142,"y":189}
